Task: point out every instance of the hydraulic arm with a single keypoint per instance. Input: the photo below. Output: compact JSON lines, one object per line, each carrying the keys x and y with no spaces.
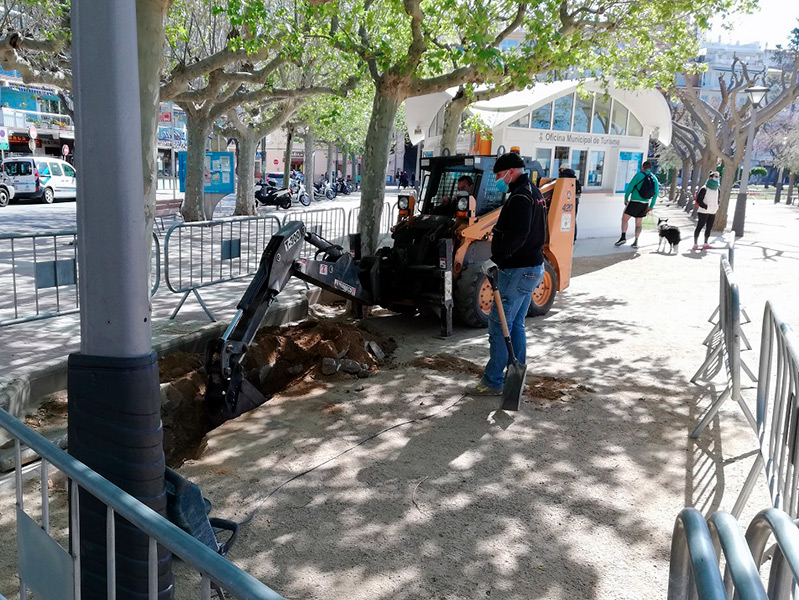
{"x":228,"y":393}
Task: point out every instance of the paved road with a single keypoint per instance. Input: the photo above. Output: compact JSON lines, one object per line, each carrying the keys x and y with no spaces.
{"x":31,"y":216}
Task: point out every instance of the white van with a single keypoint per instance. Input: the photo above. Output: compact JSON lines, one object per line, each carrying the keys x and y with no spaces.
{"x":41,"y":177}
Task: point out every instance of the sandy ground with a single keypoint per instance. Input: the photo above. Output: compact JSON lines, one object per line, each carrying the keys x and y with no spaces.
{"x":418,"y":491}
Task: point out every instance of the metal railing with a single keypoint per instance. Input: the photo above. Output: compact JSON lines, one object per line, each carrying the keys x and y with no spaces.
{"x":14,"y":117}
{"x":40,"y":275}
{"x":49,"y":570}
{"x":328,"y":223}
{"x":724,"y":350}
{"x":696,"y":548}
{"x":387,"y":218}
{"x":203,"y":253}
{"x":777,"y":414}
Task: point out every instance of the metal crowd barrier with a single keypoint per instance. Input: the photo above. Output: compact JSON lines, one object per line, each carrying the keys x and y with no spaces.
{"x":724,"y":352}
{"x":49,"y":571}
{"x":777,"y":425}
{"x":328,"y":223}
{"x":696,"y":548}
{"x":388,"y":216}
{"x":40,"y":275}
{"x":203,"y":253}
{"x":40,"y":272}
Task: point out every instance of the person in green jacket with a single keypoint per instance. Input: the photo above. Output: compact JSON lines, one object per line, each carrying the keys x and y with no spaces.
{"x":639,"y":200}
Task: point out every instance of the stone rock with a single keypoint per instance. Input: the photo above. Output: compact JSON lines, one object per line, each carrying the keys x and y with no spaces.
{"x":295,"y":369}
{"x":375,"y":350}
{"x":343,"y":352}
{"x":350,"y":366}
{"x":330,"y":366}
{"x":364,"y":373}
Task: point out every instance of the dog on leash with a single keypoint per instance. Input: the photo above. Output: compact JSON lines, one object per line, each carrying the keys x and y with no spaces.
{"x":668,"y":233}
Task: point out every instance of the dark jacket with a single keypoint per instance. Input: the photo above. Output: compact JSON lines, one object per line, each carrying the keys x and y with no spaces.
{"x":520,"y":232}
{"x":570,"y":174}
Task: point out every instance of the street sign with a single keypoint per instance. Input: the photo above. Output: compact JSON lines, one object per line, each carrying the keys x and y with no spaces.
{"x":64,"y":150}
{"x":3,"y":138}
{"x":32,"y":132}
{"x":32,"y":144}
{"x":276,"y":161}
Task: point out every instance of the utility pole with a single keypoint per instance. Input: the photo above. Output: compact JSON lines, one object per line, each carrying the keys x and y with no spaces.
{"x":114,"y":416}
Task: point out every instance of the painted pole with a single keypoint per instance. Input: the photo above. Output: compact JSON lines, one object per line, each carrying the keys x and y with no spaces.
{"x":114,"y":419}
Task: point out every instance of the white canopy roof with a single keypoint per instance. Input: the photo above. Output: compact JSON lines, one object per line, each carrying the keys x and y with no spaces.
{"x":648,"y":106}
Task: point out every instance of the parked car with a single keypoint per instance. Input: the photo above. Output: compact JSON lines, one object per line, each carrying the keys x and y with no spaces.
{"x":276,"y":179}
{"x":40,"y":177}
{"x":6,"y":190}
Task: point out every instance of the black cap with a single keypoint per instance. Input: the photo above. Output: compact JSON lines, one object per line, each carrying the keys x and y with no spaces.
{"x":509,"y":160}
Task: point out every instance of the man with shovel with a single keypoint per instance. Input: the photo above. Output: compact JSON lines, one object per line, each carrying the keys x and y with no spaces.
{"x":517,"y":267}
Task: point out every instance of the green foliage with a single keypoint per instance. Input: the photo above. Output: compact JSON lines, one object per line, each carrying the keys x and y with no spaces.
{"x":475,"y":124}
{"x":342,"y":121}
{"x":761,"y":171}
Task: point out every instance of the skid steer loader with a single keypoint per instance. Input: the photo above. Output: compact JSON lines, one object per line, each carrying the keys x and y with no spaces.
{"x":434,"y":263}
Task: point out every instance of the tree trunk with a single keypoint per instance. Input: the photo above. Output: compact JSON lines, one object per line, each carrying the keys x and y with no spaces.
{"x":373,"y":178}
{"x":778,"y":186}
{"x":791,"y":184}
{"x":150,"y":19}
{"x":197,"y":130}
{"x":245,"y":193}
{"x":331,"y":149}
{"x":354,"y":169}
{"x":686,"y":174}
{"x":725,"y":191}
{"x":309,"y":165}
{"x":452,"y":123}
{"x":673,"y":185}
{"x":696,"y":179}
{"x":287,"y":155}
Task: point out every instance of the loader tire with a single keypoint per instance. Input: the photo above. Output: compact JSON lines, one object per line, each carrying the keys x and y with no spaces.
{"x":473,"y":298}
{"x":544,"y":294}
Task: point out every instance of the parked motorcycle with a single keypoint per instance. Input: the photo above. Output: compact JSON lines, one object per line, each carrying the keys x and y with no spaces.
{"x":299,"y":193}
{"x":323,"y":189}
{"x":268,"y":194}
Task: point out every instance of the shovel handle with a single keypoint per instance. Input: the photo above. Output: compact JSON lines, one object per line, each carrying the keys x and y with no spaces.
{"x":491,"y":275}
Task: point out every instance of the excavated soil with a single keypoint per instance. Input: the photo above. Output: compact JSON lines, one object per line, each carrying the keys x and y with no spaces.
{"x":279,"y":359}
{"x":541,"y":390}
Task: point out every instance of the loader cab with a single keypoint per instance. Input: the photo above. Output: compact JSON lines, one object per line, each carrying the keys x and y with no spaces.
{"x":440,"y":183}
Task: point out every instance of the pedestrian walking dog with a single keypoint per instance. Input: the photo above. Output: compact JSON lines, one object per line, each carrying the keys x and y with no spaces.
{"x":668,"y":233}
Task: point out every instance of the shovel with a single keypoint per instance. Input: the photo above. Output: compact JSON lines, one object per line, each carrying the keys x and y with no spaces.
{"x":514,"y":375}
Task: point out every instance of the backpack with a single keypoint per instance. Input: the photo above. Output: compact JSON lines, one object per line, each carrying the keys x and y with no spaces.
{"x":646,"y":189}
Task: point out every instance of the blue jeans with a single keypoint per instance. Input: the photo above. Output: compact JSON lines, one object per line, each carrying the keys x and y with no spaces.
{"x":515,"y":288}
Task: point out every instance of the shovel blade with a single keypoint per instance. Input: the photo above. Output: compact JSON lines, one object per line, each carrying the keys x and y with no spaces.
{"x":514,"y":386}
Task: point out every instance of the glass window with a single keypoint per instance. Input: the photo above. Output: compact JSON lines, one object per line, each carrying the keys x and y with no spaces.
{"x":523,"y":121}
{"x":17,"y":168}
{"x":44,"y":168}
{"x":563,"y":113}
{"x":579,"y":159}
{"x":561,"y":158}
{"x":55,"y":169}
{"x":541,"y":117}
{"x":601,"y":120}
{"x":582,"y":113}
{"x":544,"y":158}
{"x":634,"y":127}
{"x":618,"y":124}
{"x":69,"y":171}
{"x":596,"y":167}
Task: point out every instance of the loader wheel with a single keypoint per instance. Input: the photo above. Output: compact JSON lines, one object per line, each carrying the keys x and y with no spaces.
{"x":544,"y":294}
{"x":473,"y":297}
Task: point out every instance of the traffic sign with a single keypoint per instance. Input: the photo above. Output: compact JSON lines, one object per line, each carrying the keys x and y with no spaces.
{"x":276,"y":161}
{"x":3,"y":138}
{"x":64,"y":150}
{"x":32,"y":132}
{"x":32,"y":144}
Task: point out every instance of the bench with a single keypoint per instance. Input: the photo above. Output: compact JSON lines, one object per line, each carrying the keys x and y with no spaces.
{"x":167,"y":208}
